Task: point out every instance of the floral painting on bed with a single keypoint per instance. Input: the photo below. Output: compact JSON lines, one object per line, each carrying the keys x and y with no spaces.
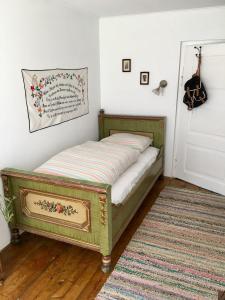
{"x":55,"y":96}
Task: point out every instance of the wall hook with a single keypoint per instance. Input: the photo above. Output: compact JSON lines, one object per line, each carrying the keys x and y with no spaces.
{"x":199,"y":49}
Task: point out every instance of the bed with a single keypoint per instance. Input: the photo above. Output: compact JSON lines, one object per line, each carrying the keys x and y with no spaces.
{"x":90,"y":220}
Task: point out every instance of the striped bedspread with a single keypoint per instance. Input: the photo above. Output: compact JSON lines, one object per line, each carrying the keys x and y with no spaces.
{"x":94,"y":161}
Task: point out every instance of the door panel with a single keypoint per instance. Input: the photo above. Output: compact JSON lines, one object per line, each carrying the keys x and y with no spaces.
{"x":199,"y":125}
{"x":214,"y":78}
{"x":199,"y":155}
{"x":202,"y":140}
{"x":199,"y":161}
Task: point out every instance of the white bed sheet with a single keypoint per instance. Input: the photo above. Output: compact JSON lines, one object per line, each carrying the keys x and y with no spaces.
{"x":122,"y":187}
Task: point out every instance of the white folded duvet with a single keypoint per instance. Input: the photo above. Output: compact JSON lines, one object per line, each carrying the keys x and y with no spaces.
{"x":128,"y":180}
{"x":93,"y":161}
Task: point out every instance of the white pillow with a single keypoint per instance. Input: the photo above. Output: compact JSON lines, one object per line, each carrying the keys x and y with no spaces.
{"x":135,"y":141}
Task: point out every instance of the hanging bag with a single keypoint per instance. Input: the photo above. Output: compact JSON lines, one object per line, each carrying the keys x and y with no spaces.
{"x":195,"y":94}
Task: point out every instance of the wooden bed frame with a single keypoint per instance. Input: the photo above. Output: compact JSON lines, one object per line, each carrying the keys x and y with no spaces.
{"x":81,"y":212}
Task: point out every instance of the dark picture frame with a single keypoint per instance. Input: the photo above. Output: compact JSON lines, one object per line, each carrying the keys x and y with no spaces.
{"x":126,"y":65}
{"x":144,"y":78}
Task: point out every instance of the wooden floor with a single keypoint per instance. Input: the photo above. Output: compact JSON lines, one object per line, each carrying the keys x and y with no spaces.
{"x":40,"y":268}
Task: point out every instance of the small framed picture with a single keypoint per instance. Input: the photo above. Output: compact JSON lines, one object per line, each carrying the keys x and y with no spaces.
{"x":144,"y":78}
{"x":126,"y":65}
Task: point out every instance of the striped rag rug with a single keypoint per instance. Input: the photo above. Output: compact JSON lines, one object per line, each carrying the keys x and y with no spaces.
{"x":178,"y":252}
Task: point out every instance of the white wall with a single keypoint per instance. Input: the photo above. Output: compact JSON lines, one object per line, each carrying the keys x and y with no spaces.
{"x":39,"y":35}
{"x":152,"y":41}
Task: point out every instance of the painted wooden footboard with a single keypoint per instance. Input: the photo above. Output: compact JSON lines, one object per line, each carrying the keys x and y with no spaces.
{"x":73,"y":211}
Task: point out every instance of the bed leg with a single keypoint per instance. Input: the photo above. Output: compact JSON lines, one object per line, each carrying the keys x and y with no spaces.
{"x":106,"y":263}
{"x":161,"y":176}
{"x":15,"y":235}
{"x":2,"y":277}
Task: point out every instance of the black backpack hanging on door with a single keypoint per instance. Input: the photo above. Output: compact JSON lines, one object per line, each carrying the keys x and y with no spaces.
{"x":195,"y":94}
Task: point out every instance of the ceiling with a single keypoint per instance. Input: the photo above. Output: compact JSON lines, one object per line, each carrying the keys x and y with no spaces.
{"x":104,"y":8}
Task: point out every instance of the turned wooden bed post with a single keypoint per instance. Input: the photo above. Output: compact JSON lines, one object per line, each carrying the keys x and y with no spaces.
{"x":101,"y":123}
{"x":1,"y":271}
{"x":5,"y":188}
{"x":106,"y":229}
{"x":15,"y":235}
{"x":106,"y":263}
{"x":105,"y":210}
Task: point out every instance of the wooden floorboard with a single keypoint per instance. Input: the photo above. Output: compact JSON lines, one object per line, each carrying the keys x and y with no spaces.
{"x":40,"y":268}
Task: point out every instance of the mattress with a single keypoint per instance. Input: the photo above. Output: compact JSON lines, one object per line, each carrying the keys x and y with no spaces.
{"x":127,"y":181}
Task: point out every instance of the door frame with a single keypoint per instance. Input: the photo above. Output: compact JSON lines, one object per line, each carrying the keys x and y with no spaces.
{"x":183,"y":44}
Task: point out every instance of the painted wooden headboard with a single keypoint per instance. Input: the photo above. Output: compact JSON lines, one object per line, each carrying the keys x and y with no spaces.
{"x":144,"y":125}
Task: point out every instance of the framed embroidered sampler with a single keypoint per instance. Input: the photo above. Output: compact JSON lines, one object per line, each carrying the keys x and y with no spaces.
{"x":55,"y":96}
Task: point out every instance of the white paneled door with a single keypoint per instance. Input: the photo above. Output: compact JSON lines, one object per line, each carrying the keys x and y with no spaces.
{"x":199,"y":152}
